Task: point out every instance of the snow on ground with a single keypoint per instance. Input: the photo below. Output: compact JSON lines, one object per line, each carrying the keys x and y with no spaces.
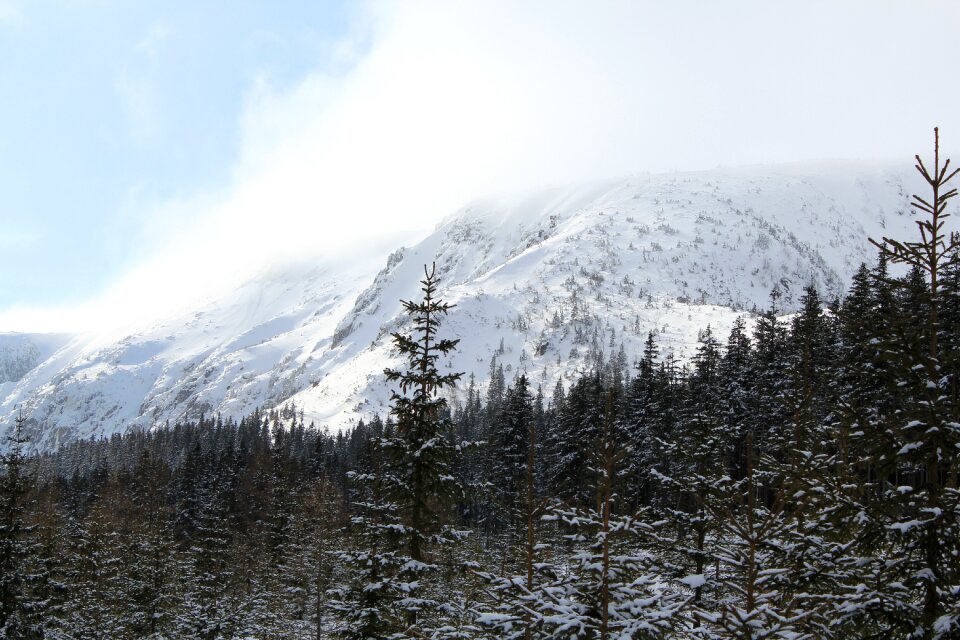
{"x":22,"y":352}
{"x":544,"y":282}
{"x":538,"y":280}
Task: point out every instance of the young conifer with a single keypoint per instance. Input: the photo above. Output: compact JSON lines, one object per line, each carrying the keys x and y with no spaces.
{"x":14,"y":546}
{"x":418,"y":476}
{"x":920,"y":511}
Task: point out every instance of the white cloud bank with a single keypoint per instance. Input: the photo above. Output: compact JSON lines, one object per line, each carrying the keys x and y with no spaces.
{"x":436,"y":102}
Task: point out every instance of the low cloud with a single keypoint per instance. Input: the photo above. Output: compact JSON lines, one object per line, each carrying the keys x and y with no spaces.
{"x":429,"y":104}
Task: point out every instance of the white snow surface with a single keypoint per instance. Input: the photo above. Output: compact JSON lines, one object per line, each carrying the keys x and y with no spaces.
{"x":21,"y":352}
{"x":545,"y":275}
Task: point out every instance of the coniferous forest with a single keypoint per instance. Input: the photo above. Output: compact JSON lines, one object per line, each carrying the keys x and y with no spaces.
{"x":797,"y":478}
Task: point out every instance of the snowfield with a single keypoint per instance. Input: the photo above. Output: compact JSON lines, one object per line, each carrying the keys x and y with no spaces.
{"x":548,"y":284}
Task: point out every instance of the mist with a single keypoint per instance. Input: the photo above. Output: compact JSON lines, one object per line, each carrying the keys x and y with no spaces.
{"x":427,"y":105}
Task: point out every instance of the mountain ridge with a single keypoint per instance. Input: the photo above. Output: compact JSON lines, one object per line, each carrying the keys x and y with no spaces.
{"x":549,"y":283}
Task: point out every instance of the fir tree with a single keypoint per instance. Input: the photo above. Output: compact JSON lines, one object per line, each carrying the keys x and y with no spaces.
{"x":210,"y":608}
{"x":317,"y":530}
{"x":513,"y":615}
{"x":642,"y":415}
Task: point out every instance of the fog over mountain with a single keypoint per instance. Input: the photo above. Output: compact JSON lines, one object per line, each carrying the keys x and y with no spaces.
{"x":550,"y":283}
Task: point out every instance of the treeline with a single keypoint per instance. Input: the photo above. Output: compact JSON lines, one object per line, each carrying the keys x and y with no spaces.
{"x":209,"y":529}
{"x":798,"y":478}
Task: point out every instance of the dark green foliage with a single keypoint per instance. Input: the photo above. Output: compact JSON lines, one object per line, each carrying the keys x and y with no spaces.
{"x":15,"y":542}
{"x":911,"y":530}
{"x":407,"y":498}
{"x":419,"y":454}
{"x":579,"y":421}
{"x":797,"y":480}
{"x":511,"y":442}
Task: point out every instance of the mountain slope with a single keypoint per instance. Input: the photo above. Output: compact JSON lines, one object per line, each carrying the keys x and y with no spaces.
{"x":549,"y":284}
{"x":247,"y":349}
{"x":546,"y":282}
{"x":22,"y":352}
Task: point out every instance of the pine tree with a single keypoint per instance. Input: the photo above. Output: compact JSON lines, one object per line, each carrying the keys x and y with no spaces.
{"x":94,"y":572}
{"x":150,"y":548}
{"x":44,"y":567}
{"x":474,"y":463}
{"x":580,"y":420}
{"x":317,"y":530}
{"x":758,"y":531}
{"x":768,"y":413}
{"x":495,"y":389}
{"x":804,"y":469}
{"x":370,"y":597}
{"x":735,"y":376}
{"x":642,"y":417}
{"x":210,"y":608}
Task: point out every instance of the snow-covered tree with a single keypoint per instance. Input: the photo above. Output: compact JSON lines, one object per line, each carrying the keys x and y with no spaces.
{"x":910,"y":535}
{"x":614,"y":586}
{"x":15,"y":545}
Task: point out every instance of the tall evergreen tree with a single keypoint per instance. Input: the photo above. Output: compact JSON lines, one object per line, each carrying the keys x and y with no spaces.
{"x":768,"y":413}
{"x":14,"y":544}
{"x":642,"y":415}
{"x":579,"y":421}
{"x":370,"y":597}
{"x":512,"y":613}
{"x":613,"y":587}
{"x":921,"y":508}
{"x":417,"y":471}
{"x":694,"y":464}
{"x":510,"y":458}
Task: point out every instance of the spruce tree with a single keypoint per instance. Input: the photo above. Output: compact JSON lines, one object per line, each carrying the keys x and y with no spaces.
{"x":698,"y":464}
{"x":509,"y":472}
{"x":642,"y":417}
{"x":418,"y":476}
{"x":613,"y":587}
{"x":580,"y":420}
{"x":768,"y":413}
{"x":920,"y":510}
{"x":317,"y":531}
{"x":210,"y":608}
{"x":735,"y":376}
{"x":44,"y":568}
{"x":370,"y":597}
{"x":512,"y":614}
{"x":14,"y":544}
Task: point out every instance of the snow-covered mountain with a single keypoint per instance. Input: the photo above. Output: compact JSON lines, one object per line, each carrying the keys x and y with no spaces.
{"x":21,"y":352}
{"x":547,"y":283}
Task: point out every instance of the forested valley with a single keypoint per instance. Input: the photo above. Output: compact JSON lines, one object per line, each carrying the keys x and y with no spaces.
{"x":798,"y":478}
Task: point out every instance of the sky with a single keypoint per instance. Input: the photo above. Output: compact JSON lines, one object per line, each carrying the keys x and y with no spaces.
{"x":154,"y":152}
